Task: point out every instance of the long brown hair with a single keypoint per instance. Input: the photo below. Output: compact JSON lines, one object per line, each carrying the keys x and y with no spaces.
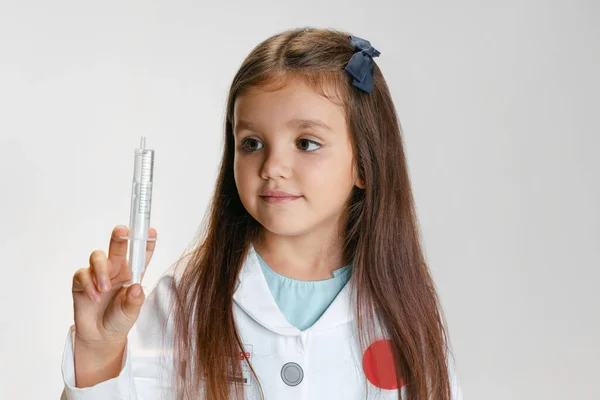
{"x":390,"y":276}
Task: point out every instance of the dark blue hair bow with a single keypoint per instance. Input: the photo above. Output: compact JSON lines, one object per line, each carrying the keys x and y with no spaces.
{"x":360,"y":65}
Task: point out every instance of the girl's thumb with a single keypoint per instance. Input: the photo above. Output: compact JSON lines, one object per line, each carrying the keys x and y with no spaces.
{"x":132,"y":302}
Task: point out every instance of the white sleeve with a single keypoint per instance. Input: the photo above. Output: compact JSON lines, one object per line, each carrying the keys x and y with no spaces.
{"x":453,"y":375}
{"x":120,"y":387}
{"x":147,"y":366}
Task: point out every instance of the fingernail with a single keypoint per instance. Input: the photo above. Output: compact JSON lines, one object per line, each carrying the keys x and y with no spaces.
{"x":105,"y":285}
{"x":96,"y":298}
{"x":136,"y":291}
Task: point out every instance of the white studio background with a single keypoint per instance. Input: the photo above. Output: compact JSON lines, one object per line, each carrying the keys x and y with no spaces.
{"x":498,"y":102}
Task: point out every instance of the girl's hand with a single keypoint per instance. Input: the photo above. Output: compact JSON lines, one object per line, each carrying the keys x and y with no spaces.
{"x":105,"y":311}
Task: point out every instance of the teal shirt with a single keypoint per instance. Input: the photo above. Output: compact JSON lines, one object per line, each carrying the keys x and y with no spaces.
{"x":303,"y":302}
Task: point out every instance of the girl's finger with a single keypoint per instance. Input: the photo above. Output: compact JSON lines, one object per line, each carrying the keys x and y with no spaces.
{"x":99,"y":267}
{"x":83,"y":282}
{"x":150,"y":245}
{"x":117,"y":248}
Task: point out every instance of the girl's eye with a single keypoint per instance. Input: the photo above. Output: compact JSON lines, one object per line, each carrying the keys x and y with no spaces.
{"x":305,"y":145}
{"x":251,"y":145}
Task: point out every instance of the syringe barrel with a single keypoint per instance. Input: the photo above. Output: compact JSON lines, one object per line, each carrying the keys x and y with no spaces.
{"x":141,"y":202}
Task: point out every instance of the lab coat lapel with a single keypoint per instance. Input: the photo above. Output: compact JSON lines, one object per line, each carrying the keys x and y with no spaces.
{"x":254,"y":297}
{"x":339,"y":312}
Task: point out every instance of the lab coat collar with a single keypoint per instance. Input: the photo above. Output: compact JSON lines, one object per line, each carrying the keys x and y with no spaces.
{"x":254,"y":297}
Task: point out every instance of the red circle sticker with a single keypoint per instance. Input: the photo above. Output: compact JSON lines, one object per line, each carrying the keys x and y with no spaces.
{"x":378,"y":365}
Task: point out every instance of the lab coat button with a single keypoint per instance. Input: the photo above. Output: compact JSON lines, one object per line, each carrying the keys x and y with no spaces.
{"x":292,"y":374}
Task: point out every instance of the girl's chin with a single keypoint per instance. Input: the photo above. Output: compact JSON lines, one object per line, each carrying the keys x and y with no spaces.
{"x":284,"y":227}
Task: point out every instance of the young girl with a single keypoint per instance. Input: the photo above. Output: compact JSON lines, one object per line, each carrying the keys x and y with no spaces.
{"x":309,"y":282}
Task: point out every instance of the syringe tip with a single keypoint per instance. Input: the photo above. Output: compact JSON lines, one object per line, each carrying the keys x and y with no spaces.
{"x":143,"y":142}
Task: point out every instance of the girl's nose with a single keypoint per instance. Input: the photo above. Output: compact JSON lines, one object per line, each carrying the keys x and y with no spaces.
{"x":276,"y":165}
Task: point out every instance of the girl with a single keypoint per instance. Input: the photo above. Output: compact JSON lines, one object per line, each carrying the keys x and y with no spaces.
{"x":309,"y":282}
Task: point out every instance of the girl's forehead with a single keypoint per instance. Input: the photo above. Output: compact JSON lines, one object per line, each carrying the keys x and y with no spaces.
{"x":317,"y":85}
{"x":290,"y":106}
{"x":292,"y":96}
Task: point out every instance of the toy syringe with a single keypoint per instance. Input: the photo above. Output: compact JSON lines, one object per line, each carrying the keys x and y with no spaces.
{"x":139,"y":220}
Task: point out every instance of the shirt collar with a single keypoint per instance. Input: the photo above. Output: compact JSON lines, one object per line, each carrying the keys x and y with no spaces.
{"x":252,"y":295}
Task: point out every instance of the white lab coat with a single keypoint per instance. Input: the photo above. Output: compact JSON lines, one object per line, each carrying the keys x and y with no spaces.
{"x":326,"y":358}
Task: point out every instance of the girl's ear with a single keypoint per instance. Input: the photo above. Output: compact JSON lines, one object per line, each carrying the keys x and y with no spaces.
{"x":358,"y":182}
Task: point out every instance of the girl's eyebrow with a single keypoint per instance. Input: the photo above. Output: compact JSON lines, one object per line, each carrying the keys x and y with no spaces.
{"x":308,"y":123}
{"x":240,"y":125}
{"x":299,"y":123}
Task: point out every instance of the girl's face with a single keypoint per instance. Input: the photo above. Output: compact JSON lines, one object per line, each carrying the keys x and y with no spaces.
{"x":294,"y":141}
